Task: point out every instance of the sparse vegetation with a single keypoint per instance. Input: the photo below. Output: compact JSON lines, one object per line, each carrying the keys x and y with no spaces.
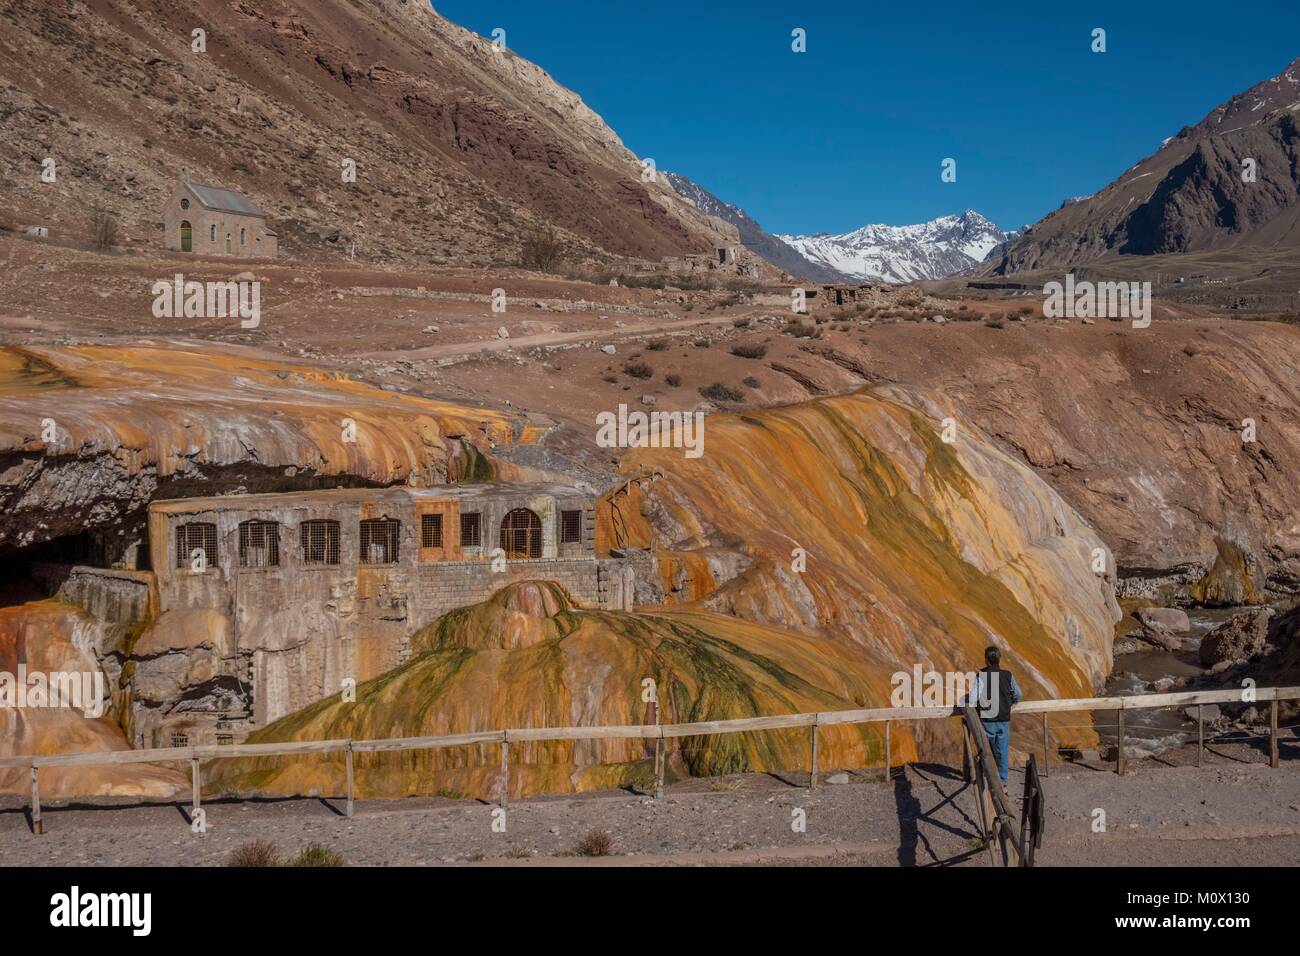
{"x":542,"y":250}
{"x":638,"y":369}
{"x":313,"y":854}
{"x":595,"y":843}
{"x":749,"y":351}
{"x":657,"y":345}
{"x":735,"y":298}
{"x":995,"y":324}
{"x":103,"y":228}
{"x":451,"y":793}
{"x":674,"y":379}
{"x":717,"y":392}
{"x":742,"y":323}
{"x":752,"y":382}
{"x":703,"y":343}
{"x":259,"y":853}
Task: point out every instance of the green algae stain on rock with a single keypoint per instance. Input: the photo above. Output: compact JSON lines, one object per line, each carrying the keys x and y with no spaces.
{"x":468,"y":678}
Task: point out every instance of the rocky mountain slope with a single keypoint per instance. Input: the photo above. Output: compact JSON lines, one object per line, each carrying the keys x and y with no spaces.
{"x":930,"y":250}
{"x":754,"y":237}
{"x":461,"y":150}
{"x":1188,"y":196}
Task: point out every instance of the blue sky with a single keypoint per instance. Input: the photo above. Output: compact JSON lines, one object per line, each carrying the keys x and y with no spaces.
{"x":855,"y":129}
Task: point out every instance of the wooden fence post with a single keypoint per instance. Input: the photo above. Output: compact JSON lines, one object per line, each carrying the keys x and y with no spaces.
{"x":1119,"y":750}
{"x":37,"y":829}
{"x":812,"y":780}
{"x":1272,"y":733}
{"x":197,"y":786}
{"x":661,"y":758}
{"x":505,"y":769}
{"x":349,"y":758}
{"x":887,"y":723}
{"x":1045,"y":746}
{"x":965,"y":753}
{"x":1200,"y":733}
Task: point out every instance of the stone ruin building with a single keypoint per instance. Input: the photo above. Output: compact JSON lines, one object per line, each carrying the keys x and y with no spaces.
{"x":733,"y":260}
{"x":257,"y":605}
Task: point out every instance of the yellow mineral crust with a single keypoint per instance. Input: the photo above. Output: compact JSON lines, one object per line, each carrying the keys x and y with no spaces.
{"x":528,"y":658}
{"x":168,"y":408}
{"x":51,"y":637}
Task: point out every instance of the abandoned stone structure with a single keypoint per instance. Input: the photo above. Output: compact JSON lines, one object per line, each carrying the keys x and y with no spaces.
{"x":217,"y":222}
{"x":729,"y":259}
{"x":270,"y":602}
{"x":838,"y":295}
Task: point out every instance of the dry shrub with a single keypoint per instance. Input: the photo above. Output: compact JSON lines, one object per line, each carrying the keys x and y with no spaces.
{"x":749,"y":351}
{"x":258,"y":853}
{"x":542,"y":250}
{"x":595,"y":843}
{"x":717,"y":392}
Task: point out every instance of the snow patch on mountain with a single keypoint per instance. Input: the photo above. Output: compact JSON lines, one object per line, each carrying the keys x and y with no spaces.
{"x":929,"y":250}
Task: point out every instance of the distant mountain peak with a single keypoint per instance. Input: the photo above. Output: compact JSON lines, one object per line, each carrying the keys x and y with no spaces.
{"x":944,"y":246}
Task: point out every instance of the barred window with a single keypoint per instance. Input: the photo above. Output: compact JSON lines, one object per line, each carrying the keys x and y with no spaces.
{"x":471,"y":530}
{"x":431,"y":531}
{"x":379,"y":540}
{"x":259,"y":544}
{"x":180,"y":740}
{"x":521,"y":534}
{"x":570,"y":527}
{"x":320,"y":541}
{"x":198,"y":536}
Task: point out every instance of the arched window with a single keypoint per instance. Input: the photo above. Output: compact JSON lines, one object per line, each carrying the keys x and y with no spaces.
{"x":241,"y":236}
{"x":259,"y":544}
{"x":187,"y":236}
{"x":212,"y":232}
{"x":521,"y":534}
{"x":196,"y":545}
{"x":379,"y":540}
{"x":320,"y":541}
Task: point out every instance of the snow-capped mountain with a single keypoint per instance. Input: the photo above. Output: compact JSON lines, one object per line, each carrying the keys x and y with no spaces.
{"x":930,"y":250}
{"x":752,"y":235}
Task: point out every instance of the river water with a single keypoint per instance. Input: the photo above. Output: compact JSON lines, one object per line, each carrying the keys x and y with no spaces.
{"x":1158,"y":730}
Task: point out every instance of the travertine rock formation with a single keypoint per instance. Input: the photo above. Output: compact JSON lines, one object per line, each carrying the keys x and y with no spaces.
{"x":129,"y":425}
{"x":917,"y":552}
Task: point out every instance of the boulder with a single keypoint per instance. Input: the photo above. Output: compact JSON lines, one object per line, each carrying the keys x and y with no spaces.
{"x":1160,"y":637}
{"x":1212,"y":712}
{"x":1171,"y":618}
{"x":1242,"y":638}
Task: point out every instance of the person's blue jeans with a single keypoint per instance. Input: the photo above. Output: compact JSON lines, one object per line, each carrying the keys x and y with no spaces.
{"x":999,"y":732}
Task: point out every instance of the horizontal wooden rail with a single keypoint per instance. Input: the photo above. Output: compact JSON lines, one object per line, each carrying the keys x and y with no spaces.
{"x":819,"y":719}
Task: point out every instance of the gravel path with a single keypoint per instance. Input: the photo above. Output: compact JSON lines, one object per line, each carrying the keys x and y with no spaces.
{"x":1234,"y":811}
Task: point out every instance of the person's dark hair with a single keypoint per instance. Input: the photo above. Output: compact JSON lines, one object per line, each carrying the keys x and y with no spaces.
{"x":992,"y":656}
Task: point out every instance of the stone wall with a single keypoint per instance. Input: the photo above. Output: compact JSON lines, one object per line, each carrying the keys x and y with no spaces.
{"x":295,"y":633}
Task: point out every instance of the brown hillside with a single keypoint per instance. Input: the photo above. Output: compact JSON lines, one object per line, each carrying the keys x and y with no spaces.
{"x":461,"y":150}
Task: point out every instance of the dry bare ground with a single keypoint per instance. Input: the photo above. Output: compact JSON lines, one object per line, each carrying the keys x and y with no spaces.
{"x":1233,"y":811}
